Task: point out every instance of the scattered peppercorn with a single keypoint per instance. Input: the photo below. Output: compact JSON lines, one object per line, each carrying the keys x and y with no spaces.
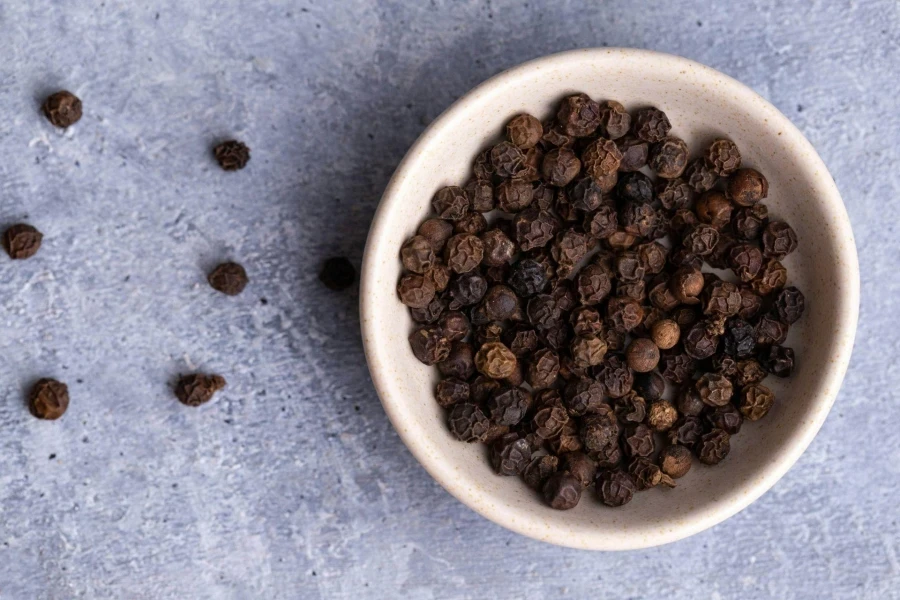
{"x":22,"y":241}
{"x":62,"y":109}
{"x":197,"y":388}
{"x":230,"y":278}
{"x":232,"y":155}
{"x":48,"y":399}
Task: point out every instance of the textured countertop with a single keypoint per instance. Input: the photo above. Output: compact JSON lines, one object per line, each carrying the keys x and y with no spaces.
{"x":292,"y":483}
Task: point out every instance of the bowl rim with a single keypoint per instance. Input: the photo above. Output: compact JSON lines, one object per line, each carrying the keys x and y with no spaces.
{"x":844,"y":334}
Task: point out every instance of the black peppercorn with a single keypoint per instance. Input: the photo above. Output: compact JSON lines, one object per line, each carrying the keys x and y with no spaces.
{"x":230,"y":278}
{"x":62,"y":109}
{"x":232,"y":155}
{"x":197,"y":389}
{"x":48,"y":399}
{"x":22,"y":241}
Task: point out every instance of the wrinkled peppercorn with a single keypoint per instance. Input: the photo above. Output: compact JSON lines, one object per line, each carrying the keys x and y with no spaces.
{"x":789,"y":305}
{"x":579,"y":116}
{"x":49,"y":399}
{"x":770,"y":331}
{"x":464,"y":252}
{"x":631,"y":408}
{"x":779,"y":360}
{"x":507,"y":160}
{"x":459,"y":362}
{"x":723,"y":157}
{"x":635,"y":152}
{"x":562,"y":491}
{"x":230,"y":278}
{"x":62,"y":108}
{"x":451,"y":391}
{"x":417,"y":254}
{"x":661,"y":416}
{"x":778,"y":240}
{"x":197,"y":388}
{"x":624,"y":314}
{"x":651,"y":124}
{"x":635,"y":187}
{"x":524,"y":131}
{"x":510,"y":455}
{"x":495,"y":360}
{"x":539,"y":469}
{"x":669,"y":157}
{"x":646,"y":475}
{"x":22,"y":241}
{"x":232,"y":155}
{"x":676,"y":366}
{"x":772,"y":277}
{"x":599,"y":428}
{"x":615,"y":488}
{"x":415,"y":291}
{"x":700,"y":176}
{"x":583,"y":396}
{"x":468,"y":423}
{"x":727,"y":418}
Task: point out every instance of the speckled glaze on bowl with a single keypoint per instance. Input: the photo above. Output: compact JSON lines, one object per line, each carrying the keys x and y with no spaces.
{"x":701,"y":103}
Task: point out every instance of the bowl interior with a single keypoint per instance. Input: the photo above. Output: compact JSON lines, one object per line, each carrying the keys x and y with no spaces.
{"x":701,"y":104}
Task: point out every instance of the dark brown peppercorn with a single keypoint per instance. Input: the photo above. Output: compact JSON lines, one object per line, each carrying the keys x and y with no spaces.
{"x":653,"y":257}
{"x":514,"y":195}
{"x":668,"y":158}
{"x":638,"y":441}
{"x":601,"y":158}
{"x":686,"y":431}
{"x":624,"y":314}
{"x":580,"y":465}
{"x":593,"y":284}
{"x":429,"y":344}
{"x":451,"y":391}
{"x":689,"y":402}
{"x":651,"y":386}
{"x":415,"y":291}
{"x":579,"y":116}
{"x":48,"y":399}
{"x":675,"y":461}
{"x":232,"y":155}
{"x":508,"y":405}
{"x":464,"y":252}
{"x":747,"y":187}
{"x":686,"y":285}
{"x":562,"y":491}
{"x":473,"y":223}
{"x":197,"y":389}
{"x":676,"y":367}
{"x":701,"y":239}
{"x":614,"y":120}
{"x":634,"y":188}
{"x":789,"y":305}
{"x":779,"y":361}
{"x":480,"y":194}
{"x":647,"y":475}
{"x":778,"y":240}
{"x":638,"y":219}
{"x":586,"y":321}
{"x":437,"y":232}
{"x":510,"y":455}
{"x":22,"y":241}
{"x":745,"y":260}
{"x":543,"y":369}
{"x":635,"y":152}
{"x":631,"y":408}
{"x":459,"y":362}
{"x":482,"y":388}
{"x":683,"y":220}
{"x":748,"y":372}
{"x":586,"y":195}
{"x":451,"y":203}
{"x":230,"y":278}
{"x":749,"y":222}
{"x":588,"y":350}
{"x":468,"y":423}
{"x":714,"y":389}
{"x":524,"y":131}
{"x":508,"y":160}
{"x":739,"y":340}
{"x":714,"y":209}
{"x":430,"y":313}
{"x":467,"y":289}
{"x":560,"y":167}
{"x":583,"y":396}
{"x":700,"y":343}
{"x":713,"y":447}
{"x":642,"y":355}
{"x":548,"y":422}
{"x":62,"y":108}
{"x":599,"y":428}
{"x":539,"y":469}
{"x":651,"y":125}
{"x":417,"y":254}
{"x":521,"y":340}
{"x":615,"y":488}
{"x":727,"y":418}
{"x":568,"y":250}
{"x":772,"y":277}
{"x":770,"y":331}
{"x":723,"y":157}
{"x":700,"y":176}
{"x":534,"y":228}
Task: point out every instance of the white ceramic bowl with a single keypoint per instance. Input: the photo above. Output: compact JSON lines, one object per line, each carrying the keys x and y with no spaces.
{"x":701,"y":104}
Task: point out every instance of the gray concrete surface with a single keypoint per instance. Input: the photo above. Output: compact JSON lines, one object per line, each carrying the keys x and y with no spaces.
{"x":292,"y":484}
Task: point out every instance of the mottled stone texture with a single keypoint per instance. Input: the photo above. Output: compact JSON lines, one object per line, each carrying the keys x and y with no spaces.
{"x":291,"y":483}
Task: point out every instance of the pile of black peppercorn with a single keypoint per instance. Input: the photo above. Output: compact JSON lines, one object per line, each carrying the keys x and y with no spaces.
{"x":560,"y":293}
